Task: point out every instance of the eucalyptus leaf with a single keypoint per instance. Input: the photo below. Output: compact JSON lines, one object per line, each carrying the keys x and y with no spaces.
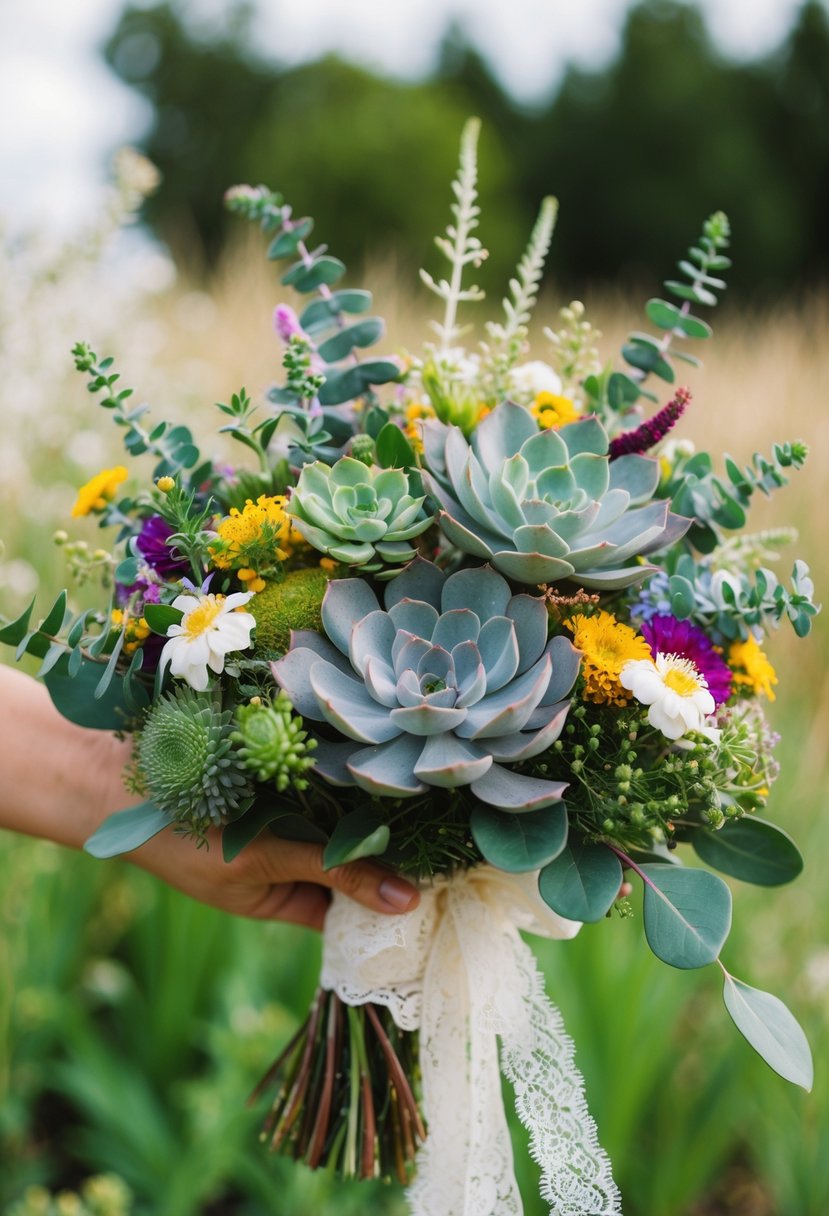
{"x":355,"y":381}
{"x":771,"y":1029}
{"x":517,"y":843}
{"x":752,"y":850}
{"x":54,"y":618}
{"x":237,"y":835}
{"x":127,"y":830}
{"x":71,"y":684}
{"x":14,"y":631}
{"x":582,"y":882}
{"x":362,"y":333}
{"x":687,"y":914}
{"x":359,"y":834}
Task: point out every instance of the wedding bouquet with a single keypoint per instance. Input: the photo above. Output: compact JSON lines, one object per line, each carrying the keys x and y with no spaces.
{"x":486,"y":619}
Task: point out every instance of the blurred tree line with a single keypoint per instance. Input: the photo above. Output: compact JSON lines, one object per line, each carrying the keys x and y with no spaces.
{"x":638,"y":153}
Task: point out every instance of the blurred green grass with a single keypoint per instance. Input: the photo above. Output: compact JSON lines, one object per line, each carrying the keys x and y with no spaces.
{"x":133,"y":1023}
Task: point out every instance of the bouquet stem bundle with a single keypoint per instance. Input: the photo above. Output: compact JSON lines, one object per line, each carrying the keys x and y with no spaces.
{"x":346,"y":1093}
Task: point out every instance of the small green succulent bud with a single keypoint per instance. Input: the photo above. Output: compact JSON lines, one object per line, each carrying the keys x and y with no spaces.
{"x":362,"y":449}
{"x":273,"y":744}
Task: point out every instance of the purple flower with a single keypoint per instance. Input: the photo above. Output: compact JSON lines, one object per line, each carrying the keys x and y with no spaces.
{"x":667,"y":635}
{"x":286,"y":323}
{"x":649,"y":433}
{"x":153,"y":547}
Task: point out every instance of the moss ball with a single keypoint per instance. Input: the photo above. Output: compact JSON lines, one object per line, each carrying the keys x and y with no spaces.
{"x":292,"y":603}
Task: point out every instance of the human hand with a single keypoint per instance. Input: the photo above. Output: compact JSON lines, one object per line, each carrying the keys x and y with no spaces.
{"x":271,"y":879}
{"x":60,"y":781}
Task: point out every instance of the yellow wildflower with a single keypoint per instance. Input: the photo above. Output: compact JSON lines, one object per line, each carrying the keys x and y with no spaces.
{"x":417,"y":412}
{"x":99,"y":490}
{"x":552,"y":411}
{"x":165,"y":484}
{"x":260,"y":535}
{"x":606,"y":645}
{"x":136,"y":629}
{"x":751,"y":668}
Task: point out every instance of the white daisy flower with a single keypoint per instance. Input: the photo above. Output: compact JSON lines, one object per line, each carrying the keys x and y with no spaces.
{"x":209,"y":629}
{"x":675,"y":690}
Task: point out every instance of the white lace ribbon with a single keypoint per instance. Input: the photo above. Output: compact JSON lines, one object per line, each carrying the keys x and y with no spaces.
{"x":457,"y":969}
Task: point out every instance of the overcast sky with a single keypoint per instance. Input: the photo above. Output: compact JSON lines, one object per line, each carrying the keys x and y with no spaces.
{"x":62,"y":110}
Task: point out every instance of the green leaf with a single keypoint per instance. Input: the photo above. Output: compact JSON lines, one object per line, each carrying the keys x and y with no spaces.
{"x":340,"y":344}
{"x":687,"y":914}
{"x":127,"y":830}
{"x":622,"y":391}
{"x":324,"y":271}
{"x":126,"y":572}
{"x":274,"y":813}
{"x":360,"y":834}
{"x":73,"y":695}
{"x":765,"y":1022}
{"x":518,"y":843}
{"x":393,"y":448}
{"x":752,"y":850}
{"x":15,"y":631}
{"x":54,"y":654}
{"x":683,"y":600}
{"x":109,"y":671}
{"x":355,"y":381}
{"x":582,"y":882}
{"x":320,"y":314}
{"x":663,"y":314}
{"x":54,"y":618}
{"x":285,"y":245}
{"x":648,"y":358}
{"x":160,"y":617}
{"x":693,"y":327}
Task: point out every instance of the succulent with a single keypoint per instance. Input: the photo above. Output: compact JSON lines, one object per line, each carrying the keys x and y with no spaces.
{"x":361,"y":515}
{"x":273,"y":744}
{"x":453,"y":681}
{"x":187,"y":762}
{"x":547,"y":505}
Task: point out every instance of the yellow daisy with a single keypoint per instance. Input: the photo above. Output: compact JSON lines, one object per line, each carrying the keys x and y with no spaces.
{"x":99,"y":490}
{"x":607,"y":645}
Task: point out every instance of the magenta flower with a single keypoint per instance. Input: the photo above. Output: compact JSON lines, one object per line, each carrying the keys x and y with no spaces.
{"x":286,"y":323}
{"x":667,"y":635}
{"x":153,"y":547}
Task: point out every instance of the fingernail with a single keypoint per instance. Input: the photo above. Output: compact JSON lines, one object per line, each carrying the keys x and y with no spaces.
{"x":397,"y":894}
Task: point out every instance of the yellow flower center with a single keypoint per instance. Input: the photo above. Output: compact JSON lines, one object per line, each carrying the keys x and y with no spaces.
{"x":682,"y":681}
{"x":201,"y":619}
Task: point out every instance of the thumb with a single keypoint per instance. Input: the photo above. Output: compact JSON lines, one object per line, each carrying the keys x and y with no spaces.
{"x":368,"y":883}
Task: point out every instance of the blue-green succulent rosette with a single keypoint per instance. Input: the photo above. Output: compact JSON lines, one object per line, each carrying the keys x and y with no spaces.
{"x":542,"y":506}
{"x":445,"y":686}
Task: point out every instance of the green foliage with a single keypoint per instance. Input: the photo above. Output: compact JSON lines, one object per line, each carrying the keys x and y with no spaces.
{"x":272,"y":744}
{"x":771,"y":1030}
{"x":315,"y":271}
{"x":173,"y":446}
{"x":127,"y":830}
{"x":459,"y":246}
{"x":286,"y":604}
{"x":361,"y":833}
{"x":750,"y":849}
{"x":687,"y":914}
{"x":582,"y":882}
{"x":517,"y":843}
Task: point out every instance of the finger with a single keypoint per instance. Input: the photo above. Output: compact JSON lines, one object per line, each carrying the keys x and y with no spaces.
{"x":297,"y":903}
{"x":364,"y":881}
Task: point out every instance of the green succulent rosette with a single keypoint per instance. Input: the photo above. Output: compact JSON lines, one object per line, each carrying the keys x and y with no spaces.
{"x":448,"y":685}
{"x":361,"y":515}
{"x":542,"y":506}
